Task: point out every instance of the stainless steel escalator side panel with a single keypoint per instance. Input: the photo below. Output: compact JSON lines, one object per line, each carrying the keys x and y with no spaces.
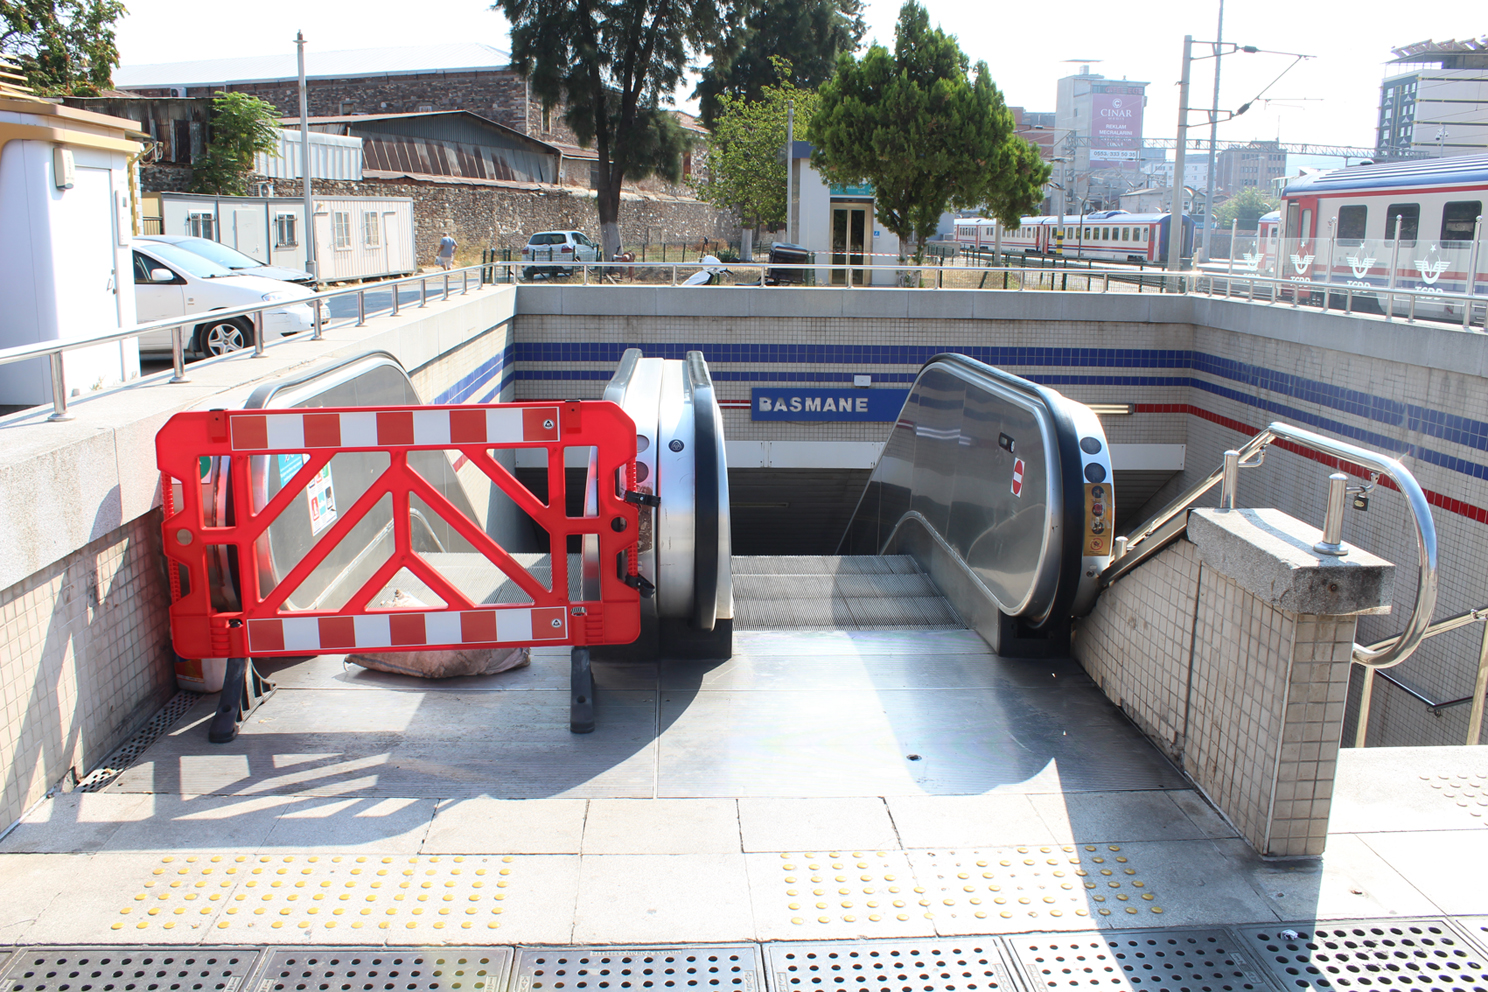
{"x":636,"y":388}
{"x":676,"y":484}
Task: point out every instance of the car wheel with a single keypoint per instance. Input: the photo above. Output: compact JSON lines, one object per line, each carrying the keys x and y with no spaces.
{"x":527,"y":273}
{"x":222,"y":336}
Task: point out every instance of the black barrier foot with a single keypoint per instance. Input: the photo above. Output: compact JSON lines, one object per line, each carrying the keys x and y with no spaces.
{"x":581,"y":694}
{"x":243,"y":689}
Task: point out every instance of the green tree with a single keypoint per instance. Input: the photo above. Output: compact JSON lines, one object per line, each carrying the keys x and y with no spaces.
{"x":63,"y":47}
{"x":745,"y":171}
{"x":927,"y":136}
{"x":242,"y":126}
{"x":809,"y":34}
{"x":613,"y":64}
{"x":1247,"y":206}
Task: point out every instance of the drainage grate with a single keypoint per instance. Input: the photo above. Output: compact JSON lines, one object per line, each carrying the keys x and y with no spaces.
{"x":128,"y":753}
{"x":953,"y":965}
{"x":1475,"y":927}
{"x":1155,"y":960}
{"x":344,"y":969}
{"x":714,"y":966}
{"x":135,"y":969}
{"x":1369,"y":954}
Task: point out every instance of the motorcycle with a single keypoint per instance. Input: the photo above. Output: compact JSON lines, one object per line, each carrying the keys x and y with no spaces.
{"x":711,"y":274}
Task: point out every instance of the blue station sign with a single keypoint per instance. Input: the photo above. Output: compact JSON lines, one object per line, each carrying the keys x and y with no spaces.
{"x":815,"y":403}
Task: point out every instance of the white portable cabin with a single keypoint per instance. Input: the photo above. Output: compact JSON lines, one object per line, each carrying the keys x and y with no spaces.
{"x":65,"y":266}
{"x":356,"y":237}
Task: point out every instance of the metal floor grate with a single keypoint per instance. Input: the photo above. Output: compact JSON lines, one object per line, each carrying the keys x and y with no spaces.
{"x":129,"y":969}
{"x":128,"y":753}
{"x":386,"y":969}
{"x":955,"y":964}
{"x":1155,"y":960}
{"x":1370,"y":954}
{"x":714,"y":966}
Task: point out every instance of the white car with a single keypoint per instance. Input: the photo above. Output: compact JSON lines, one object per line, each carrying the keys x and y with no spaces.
{"x":243,"y":265}
{"x":558,"y":250}
{"x":172,"y":282}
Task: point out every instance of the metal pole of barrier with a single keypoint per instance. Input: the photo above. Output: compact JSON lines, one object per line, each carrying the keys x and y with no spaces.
{"x":59,"y":389}
{"x":258,"y":334}
{"x":1411,"y":314}
{"x":586,"y":274}
{"x":446,"y":286}
{"x":423,"y":292}
{"x":1366,"y":696}
{"x":319,"y":327}
{"x":361,"y":307}
{"x":178,"y":354}
{"x":1332,"y":542}
{"x":1394,"y":263}
{"x":395,"y":299}
{"x":1229,"y":479}
{"x":464,"y":281}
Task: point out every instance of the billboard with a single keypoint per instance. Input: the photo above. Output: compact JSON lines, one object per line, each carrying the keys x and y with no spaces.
{"x":1116,"y":122}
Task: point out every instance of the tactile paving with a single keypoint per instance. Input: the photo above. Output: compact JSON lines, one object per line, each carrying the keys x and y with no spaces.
{"x":334,"y":893}
{"x":1425,"y":955}
{"x":1054,"y":880}
{"x":1468,"y":790}
{"x":385,"y":969}
{"x":1145,"y":960}
{"x":714,"y":966}
{"x":941,"y":965}
{"x":859,"y":887}
{"x":129,"y":969}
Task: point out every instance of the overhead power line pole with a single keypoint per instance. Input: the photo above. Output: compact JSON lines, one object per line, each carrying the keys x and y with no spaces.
{"x":1213,"y":136}
{"x":309,"y":233}
{"x":1175,"y":215}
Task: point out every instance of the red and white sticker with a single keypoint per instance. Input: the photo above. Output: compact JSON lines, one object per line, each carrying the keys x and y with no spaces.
{"x":1018,"y":477}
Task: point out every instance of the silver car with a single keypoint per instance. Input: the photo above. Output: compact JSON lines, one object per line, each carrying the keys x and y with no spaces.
{"x":556,"y":252}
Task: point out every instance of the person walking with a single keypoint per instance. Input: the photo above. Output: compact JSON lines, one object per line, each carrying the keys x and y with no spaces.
{"x":446,"y":251}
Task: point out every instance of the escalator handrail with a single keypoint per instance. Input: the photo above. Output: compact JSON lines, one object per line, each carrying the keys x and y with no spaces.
{"x":708,"y":503}
{"x":1148,"y":538}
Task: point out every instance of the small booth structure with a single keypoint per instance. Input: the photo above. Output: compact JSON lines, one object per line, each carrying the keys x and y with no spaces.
{"x":838,"y":225}
{"x":65,"y":268}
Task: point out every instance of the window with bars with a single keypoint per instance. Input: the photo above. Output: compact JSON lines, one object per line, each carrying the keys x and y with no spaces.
{"x":200,"y":224}
{"x":284,"y":231}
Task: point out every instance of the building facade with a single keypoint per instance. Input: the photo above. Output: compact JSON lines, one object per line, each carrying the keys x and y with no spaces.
{"x":1256,"y":165}
{"x":1098,"y":122}
{"x":1436,"y":103}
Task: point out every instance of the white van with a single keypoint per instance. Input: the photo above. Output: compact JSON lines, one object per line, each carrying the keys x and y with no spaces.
{"x":172,"y":282}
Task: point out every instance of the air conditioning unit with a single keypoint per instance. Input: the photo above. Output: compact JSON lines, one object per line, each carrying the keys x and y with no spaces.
{"x":264,"y":189}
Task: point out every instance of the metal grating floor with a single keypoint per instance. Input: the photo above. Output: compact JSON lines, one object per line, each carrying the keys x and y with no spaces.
{"x":135,"y":969}
{"x":713,"y":966}
{"x":1155,"y":960}
{"x":346,"y":969}
{"x":950,"y":965}
{"x":1373,"y":954}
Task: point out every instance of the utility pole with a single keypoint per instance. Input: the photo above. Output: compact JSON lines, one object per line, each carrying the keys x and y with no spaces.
{"x":1175,"y":215}
{"x":1213,"y":136}
{"x":309,"y":233}
{"x":790,"y":168}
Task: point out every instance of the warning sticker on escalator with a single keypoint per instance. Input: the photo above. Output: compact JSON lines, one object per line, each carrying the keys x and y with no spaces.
{"x":1018,"y":477}
{"x":1099,"y":518}
{"x":322,"y":498}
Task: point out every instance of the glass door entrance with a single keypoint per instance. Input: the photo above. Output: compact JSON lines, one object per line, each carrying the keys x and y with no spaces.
{"x":849,"y":238}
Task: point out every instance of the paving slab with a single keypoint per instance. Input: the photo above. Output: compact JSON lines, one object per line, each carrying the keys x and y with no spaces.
{"x":968,"y":821}
{"x":31,"y":883}
{"x":647,"y":898}
{"x":811,"y":824}
{"x":662,"y":826}
{"x":74,"y":821}
{"x":482,"y":825}
{"x":834,"y":895}
{"x":1115,"y":816}
{"x":1350,"y":881}
{"x":1450,"y":867}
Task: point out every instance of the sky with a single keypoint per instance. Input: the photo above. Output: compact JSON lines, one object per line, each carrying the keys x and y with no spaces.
{"x":1331,"y":98}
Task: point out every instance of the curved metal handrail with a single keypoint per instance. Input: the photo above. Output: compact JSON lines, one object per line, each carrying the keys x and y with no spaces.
{"x":1385,"y":654}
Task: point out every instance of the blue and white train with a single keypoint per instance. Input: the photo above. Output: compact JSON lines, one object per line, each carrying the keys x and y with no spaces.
{"x":1112,"y":235}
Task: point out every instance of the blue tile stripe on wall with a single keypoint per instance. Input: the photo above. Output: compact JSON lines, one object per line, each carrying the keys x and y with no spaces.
{"x":1376,"y":409}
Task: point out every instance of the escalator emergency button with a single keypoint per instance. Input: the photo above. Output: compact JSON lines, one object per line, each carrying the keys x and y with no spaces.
{"x":1095,"y":472}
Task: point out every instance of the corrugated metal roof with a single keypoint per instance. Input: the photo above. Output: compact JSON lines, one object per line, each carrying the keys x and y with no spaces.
{"x":410,"y":60}
{"x":332,"y":156}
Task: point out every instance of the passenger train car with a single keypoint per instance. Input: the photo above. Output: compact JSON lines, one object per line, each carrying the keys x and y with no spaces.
{"x":1113,"y":235}
{"x":1401,"y":225}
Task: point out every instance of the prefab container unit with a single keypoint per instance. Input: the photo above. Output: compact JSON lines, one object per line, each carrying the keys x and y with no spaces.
{"x":356,"y":237}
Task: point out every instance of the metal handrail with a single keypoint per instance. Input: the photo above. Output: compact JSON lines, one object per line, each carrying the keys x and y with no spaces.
{"x":1382,"y":655}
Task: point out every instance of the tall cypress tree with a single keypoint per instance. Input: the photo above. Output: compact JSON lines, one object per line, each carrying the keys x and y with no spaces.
{"x":927,"y":135}
{"x":614,"y":64}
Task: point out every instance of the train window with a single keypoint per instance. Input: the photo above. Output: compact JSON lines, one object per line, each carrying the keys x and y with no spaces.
{"x":1105,"y":234}
{"x":1459,"y":218}
{"x":1405,"y":217}
{"x":1087,"y":232}
{"x":1351,"y":223}
{"x":1126,"y":234}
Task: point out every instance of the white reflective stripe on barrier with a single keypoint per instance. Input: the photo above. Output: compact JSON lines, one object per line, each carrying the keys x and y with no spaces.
{"x":309,"y":429}
{"x":408,"y":629}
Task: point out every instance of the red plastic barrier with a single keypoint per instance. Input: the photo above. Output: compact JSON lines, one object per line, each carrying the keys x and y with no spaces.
{"x":266,"y":626}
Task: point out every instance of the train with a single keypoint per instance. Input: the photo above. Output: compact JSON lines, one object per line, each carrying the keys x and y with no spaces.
{"x":1413,"y":225}
{"x":1107,"y":235}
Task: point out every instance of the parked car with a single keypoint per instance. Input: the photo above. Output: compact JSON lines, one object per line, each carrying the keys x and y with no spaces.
{"x":172,"y":282}
{"x":561,"y":247}
{"x":231,"y":258}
